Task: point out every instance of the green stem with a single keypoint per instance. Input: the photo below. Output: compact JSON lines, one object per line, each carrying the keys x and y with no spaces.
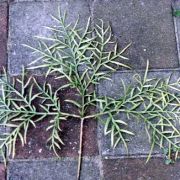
{"x":29,"y":112}
{"x":80,"y":149}
{"x":81,"y":138}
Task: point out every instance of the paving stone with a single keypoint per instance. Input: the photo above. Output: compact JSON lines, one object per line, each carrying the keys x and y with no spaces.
{"x":137,"y":169}
{"x":37,"y":147}
{"x":2,"y":172}
{"x":27,"y":20}
{"x":3,"y":35}
{"x":139,"y":144}
{"x":147,"y":24}
{"x":52,"y":170}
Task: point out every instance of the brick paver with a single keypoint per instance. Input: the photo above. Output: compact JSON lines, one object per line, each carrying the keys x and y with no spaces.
{"x":136,"y":169}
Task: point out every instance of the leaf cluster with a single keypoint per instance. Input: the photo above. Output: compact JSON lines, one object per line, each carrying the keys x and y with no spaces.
{"x":19,"y":110}
{"x":154,"y":102}
{"x":72,"y":53}
{"x":79,"y":56}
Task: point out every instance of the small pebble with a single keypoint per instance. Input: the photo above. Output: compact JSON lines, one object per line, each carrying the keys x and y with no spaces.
{"x":40,"y":150}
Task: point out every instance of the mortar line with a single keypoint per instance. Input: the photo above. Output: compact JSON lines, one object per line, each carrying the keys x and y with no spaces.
{"x":176,"y":30}
{"x":177,"y":39}
{"x":99,"y":158}
{"x":7,"y":62}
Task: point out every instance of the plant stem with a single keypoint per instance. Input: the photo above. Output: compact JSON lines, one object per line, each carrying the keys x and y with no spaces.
{"x":81,"y":136}
{"x":80,"y":149}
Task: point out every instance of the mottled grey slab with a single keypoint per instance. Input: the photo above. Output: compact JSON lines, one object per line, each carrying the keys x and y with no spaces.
{"x":138,"y":144}
{"x":147,"y":24}
{"x":52,"y":170}
{"x":27,"y":19}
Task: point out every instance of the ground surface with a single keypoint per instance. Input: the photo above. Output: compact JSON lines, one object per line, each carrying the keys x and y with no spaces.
{"x":154,"y":34}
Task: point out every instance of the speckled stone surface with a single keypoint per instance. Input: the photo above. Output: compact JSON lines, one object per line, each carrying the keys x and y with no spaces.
{"x":52,"y":170}
{"x":148,"y":25}
{"x":26,"y":20}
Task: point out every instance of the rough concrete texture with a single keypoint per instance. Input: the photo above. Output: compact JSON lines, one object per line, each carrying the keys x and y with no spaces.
{"x":139,"y":144}
{"x":147,"y":24}
{"x":137,"y":169}
{"x":52,"y":170}
{"x":3,"y":35}
{"x":175,"y":4}
{"x":27,"y":20}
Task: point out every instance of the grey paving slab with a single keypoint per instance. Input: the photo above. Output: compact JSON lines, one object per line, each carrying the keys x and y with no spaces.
{"x":138,"y":144}
{"x":51,"y":170}
{"x":26,"y":19}
{"x":147,"y":24}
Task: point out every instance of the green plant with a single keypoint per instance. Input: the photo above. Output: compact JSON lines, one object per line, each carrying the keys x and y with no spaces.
{"x":70,"y":50}
{"x":176,"y":13}
{"x":74,"y":49}
{"x":18,"y":110}
{"x":79,"y":57}
{"x":155,"y":102}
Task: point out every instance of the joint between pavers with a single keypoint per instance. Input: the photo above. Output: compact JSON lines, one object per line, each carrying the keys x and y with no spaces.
{"x":177,"y":38}
{"x":143,"y":70}
{"x":4,"y":34}
{"x":92,"y":10}
{"x":133,"y":156}
{"x":176,"y":20}
{"x":84,"y":158}
{"x":100,"y":150}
